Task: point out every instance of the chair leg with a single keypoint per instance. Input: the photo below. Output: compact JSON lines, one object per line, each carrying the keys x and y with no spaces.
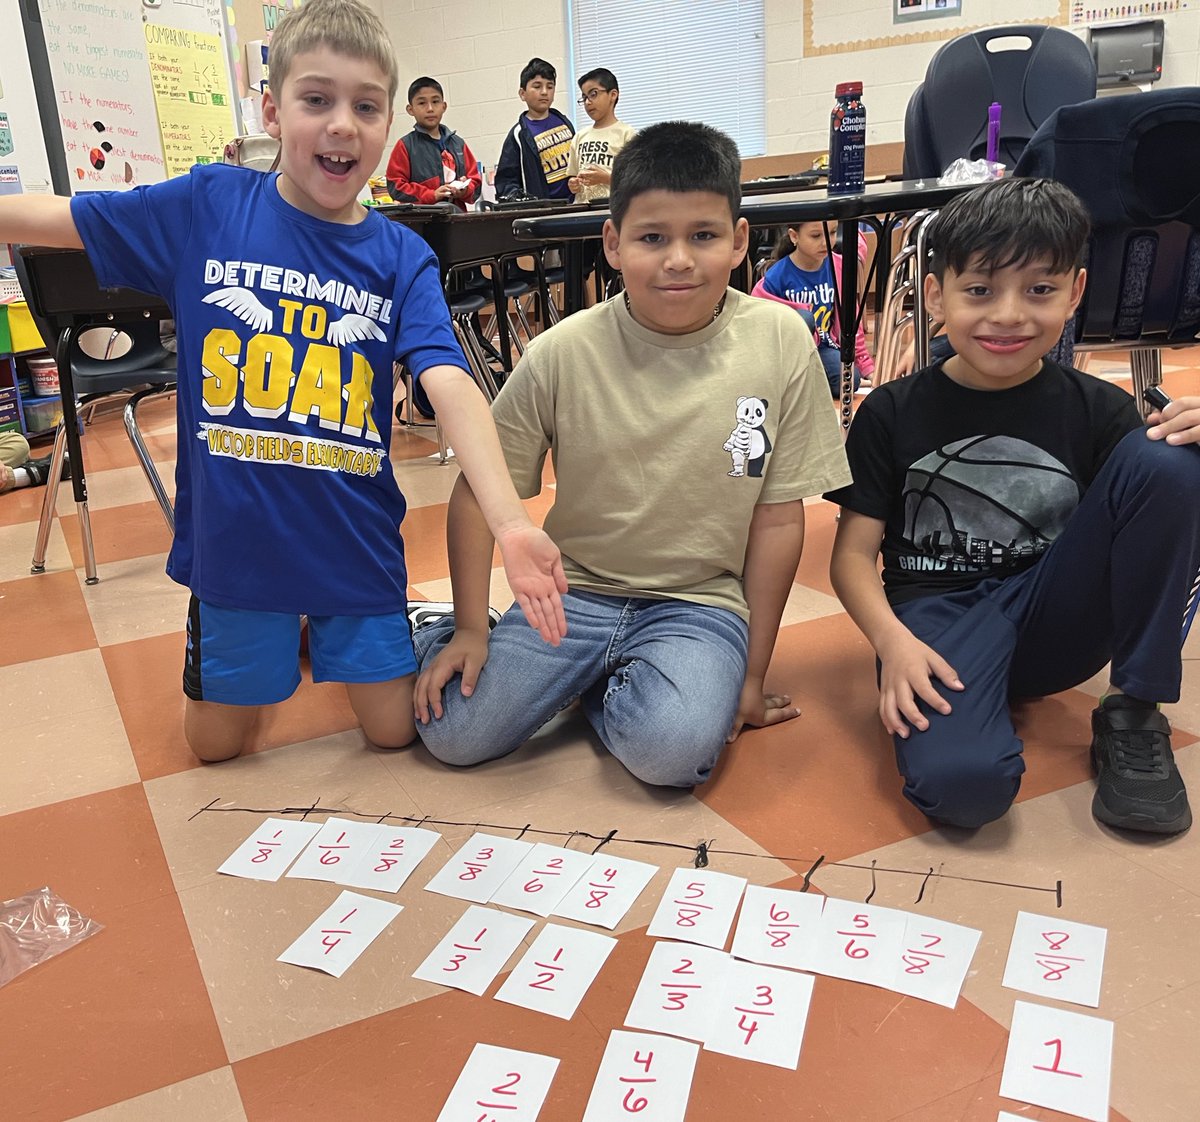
{"x":476,"y":359}
{"x":49,"y":500}
{"x":1145,"y":364}
{"x":143,"y":454}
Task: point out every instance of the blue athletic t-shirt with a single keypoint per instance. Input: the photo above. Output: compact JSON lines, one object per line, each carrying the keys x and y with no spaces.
{"x":814,"y":287}
{"x":287,"y":327}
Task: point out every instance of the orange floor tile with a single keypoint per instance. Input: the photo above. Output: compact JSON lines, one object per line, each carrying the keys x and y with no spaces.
{"x":178,"y":1009}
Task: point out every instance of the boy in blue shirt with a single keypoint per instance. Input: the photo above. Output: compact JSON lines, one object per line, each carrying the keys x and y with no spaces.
{"x":291,"y":303}
{"x":537,"y":150}
{"x":1032,"y":529}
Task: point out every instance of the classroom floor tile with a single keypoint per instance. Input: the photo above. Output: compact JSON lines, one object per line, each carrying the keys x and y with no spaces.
{"x":180,"y":1009}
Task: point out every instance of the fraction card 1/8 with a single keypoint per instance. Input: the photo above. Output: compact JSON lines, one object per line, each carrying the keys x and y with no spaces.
{"x":479,"y":868}
{"x":678,"y":989}
{"x":391,"y":859}
{"x":542,"y":878}
{"x":500,"y":1084}
{"x":759,"y":1014}
{"x":778,"y":927}
{"x":646,"y":1076}
{"x":341,"y":933}
{"x":606,"y":892}
{"x":1059,"y":1059}
{"x":557,"y":970}
{"x":698,"y":907}
{"x":1056,"y":958}
{"x":266,"y":853}
{"x":474,"y":950}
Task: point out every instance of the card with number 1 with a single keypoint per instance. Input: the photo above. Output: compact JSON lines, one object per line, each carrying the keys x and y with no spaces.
{"x":500,"y":1083}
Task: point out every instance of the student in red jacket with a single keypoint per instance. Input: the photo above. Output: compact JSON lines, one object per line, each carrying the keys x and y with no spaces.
{"x":431,"y":164}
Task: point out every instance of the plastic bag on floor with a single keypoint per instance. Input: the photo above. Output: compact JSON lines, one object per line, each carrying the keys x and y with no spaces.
{"x":35,"y":927}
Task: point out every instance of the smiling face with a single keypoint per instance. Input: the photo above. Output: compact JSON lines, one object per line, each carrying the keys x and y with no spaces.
{"x":675,"y":251}
{"x":1002,"y":322}
{"x":538,"y":96}
{"x":427,"y":108}
{"x":331,"y":118}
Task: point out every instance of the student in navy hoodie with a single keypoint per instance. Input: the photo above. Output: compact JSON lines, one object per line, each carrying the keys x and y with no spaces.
{"x":432,"y":164}
{"x":537,"y":149}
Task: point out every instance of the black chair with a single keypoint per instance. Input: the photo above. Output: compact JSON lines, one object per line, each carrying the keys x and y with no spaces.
{"x":65,"y":300}
{"x":947,"y":114}
{"x":1134,"y":161}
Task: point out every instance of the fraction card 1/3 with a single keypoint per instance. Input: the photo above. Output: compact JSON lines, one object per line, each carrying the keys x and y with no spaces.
{"x":479,"y":868}
{"x":474,"y":950}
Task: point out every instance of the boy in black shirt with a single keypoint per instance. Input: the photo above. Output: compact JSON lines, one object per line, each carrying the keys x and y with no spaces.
{"x":1032,"y":530}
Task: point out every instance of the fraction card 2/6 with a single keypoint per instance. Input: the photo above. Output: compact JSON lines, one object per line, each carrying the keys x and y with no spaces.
{"x":542,"y":878}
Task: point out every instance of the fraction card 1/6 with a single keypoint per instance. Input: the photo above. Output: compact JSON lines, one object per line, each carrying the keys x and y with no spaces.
{"x":698,"y":907}
{"x":860,"y":942}
{"x":557,"y":970}
{"x":606,"y":892}
{"x":1059,"y":1059}
{"x":391,"y":859}
{"x":542,"y":878}
{"x":934,"y":959}
{"x":474,"y":950}
{"x":341,"y":933}
{"x":677,"y":990}
{"x":778,"y":927}
{"x":339,"y":846}
{"x":1056,"y":958}
{"x":266,"y":853}
{"x":479,"y":868}
{"x":646,"y":1076}
{"x":759,"y":1014}
{"x":500,"y":1084}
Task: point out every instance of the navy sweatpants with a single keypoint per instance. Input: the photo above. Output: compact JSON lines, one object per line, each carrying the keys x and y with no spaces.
{"x":1113,"y":586}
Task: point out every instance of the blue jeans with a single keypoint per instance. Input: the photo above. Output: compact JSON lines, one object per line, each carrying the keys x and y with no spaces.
{"x":1112,"y":586}
{"x":659,"y":681}
{"x":831,"y":359}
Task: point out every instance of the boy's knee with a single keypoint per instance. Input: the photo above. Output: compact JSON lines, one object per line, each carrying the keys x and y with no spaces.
{"x":684,"y":757}
{"x":969,"y":794}
{"x":463,"y":743}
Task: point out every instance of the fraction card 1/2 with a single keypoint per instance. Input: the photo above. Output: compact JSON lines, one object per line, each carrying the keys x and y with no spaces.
{"x":698,"y":907}
{"x":341,"y":933}
{"x":1056,"y":958}
{"x":266,"y":853}
{"x":500,"y":1084}
{"x":474,"y":950}
{"x":479,"y":868}
{"x":606,"y":892}
{"x":641,"y":1075}
{"x":557,"y":970}
{"x":778,"y":927}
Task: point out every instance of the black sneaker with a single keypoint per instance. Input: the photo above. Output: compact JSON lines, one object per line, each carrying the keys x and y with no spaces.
{"x":423,"y":613}
{"x":39,"y":470}
{"x":1139,"y":786}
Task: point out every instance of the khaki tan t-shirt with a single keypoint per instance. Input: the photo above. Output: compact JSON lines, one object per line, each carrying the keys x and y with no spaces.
{"x":600,"y":147}
{"x":663,"y":444}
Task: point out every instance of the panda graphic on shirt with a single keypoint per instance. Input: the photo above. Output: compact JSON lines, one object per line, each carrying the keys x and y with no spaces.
{"x":749,"y":444}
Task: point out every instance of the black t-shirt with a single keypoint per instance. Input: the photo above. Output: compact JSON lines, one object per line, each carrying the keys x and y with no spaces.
{"x":971,"y":483}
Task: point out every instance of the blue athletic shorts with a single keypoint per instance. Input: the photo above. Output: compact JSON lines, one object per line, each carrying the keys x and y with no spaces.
{"x":239,"y":657}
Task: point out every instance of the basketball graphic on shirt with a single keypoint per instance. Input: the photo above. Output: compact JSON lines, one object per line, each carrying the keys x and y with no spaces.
{"x":986,"y":501}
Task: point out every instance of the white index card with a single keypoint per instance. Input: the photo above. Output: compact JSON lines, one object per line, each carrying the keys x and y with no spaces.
{"x":760,"y":1014}
{"x":341,"y":933}
{"x":1056,"y":958}
{"x":1060,"y":1060}
{"x":698,"y":907}
{"x":650,"y":1076}
{"x":1004,"y":1116}
{"x":502,"y":1083}
{"x":391,"y":859}
{"x":266,"y":853}
{"x":934,"y":959}
{"x":339,"y":845}
{"x":677,"y":990}
{"x":474,"y":950}
{"x":860,"y":942}
{"x":542,"y":878}
{"x":479,"y":868}
{"x":606,"y":891}
{"x":557,"y":970}
{"x":778,"y":927}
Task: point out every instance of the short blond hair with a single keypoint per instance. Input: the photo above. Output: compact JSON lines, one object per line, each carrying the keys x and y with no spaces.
{"x":345,"y":26}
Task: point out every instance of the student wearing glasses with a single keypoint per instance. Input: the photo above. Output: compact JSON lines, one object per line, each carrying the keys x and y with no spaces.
{"x":589,"y":170}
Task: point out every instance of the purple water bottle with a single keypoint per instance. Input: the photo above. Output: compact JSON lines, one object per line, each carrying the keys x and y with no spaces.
{"x":847,"y":140}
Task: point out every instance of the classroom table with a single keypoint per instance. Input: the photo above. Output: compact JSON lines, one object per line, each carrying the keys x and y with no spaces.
{"x":890,"y":199}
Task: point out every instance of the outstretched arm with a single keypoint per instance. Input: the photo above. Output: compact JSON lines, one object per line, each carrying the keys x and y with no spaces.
{"x":773,"y":548}
{"x":908,"y":665}
{"x":38,"y":220}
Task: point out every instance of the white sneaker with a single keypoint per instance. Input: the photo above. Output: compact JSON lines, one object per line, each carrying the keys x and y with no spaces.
{"x":424,"y":612}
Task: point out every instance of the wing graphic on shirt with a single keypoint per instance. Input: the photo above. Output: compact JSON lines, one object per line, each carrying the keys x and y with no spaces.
{"x":243,"y":304}
{"x":353,"y":328}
